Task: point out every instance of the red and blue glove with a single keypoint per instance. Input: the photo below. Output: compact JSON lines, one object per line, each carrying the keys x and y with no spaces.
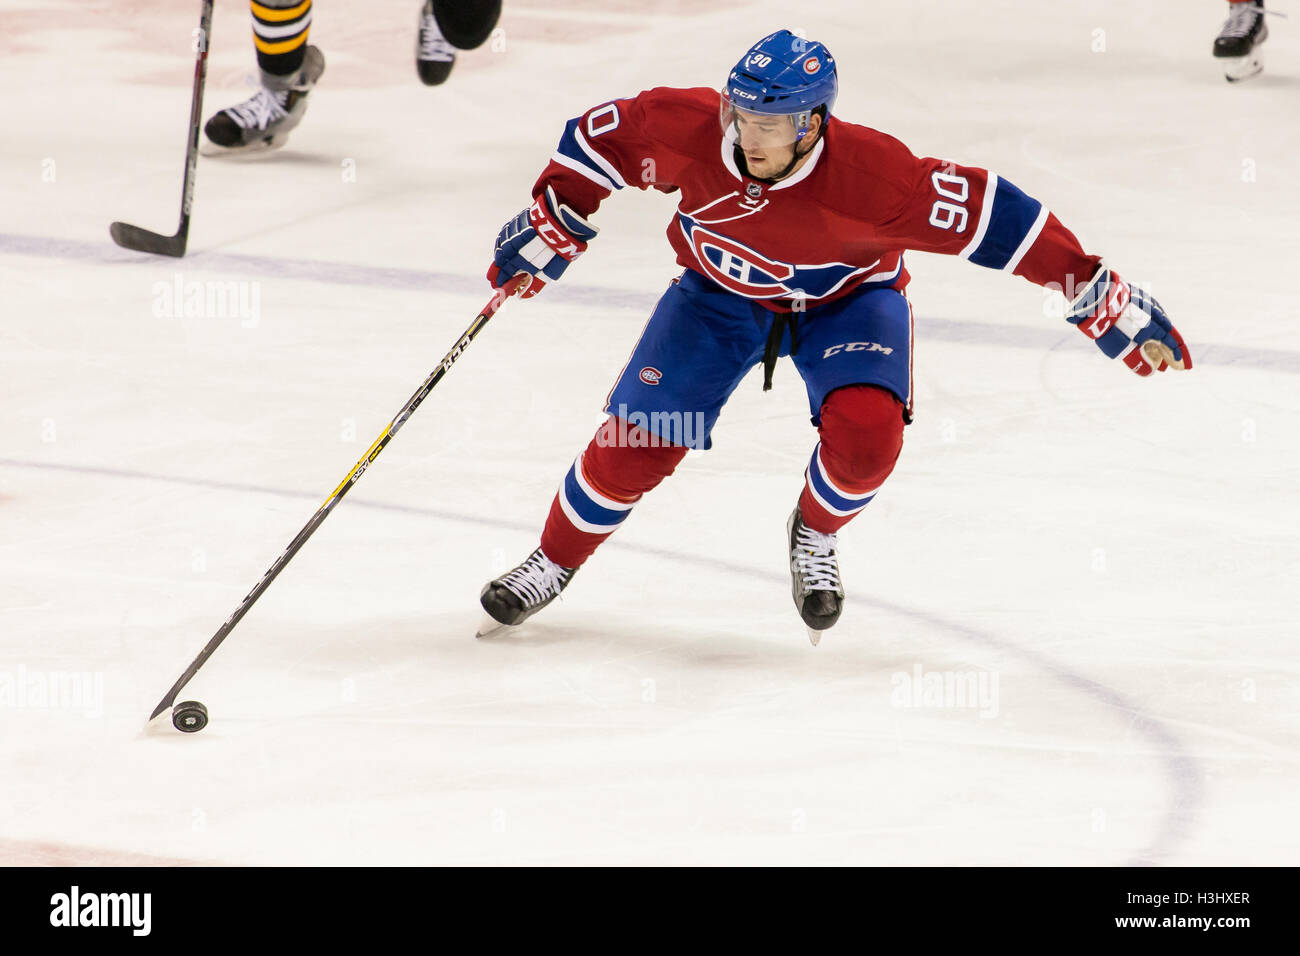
{"x":540,"y":242}
{"x":1128,"y":324}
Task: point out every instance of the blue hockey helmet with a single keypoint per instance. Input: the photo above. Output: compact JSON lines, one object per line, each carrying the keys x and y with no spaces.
{"x":782,"y":75}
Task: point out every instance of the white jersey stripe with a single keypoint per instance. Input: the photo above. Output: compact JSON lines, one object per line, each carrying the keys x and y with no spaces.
{"x":598,"y":159}
{"x":583,"y":170}
{"x":1028,"y":241}
{"x":986,"y":213}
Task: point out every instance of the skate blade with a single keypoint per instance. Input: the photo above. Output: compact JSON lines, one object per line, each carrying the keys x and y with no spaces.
{"x":490,"y":626}
{"x":209,"y":148}
{"x":815,"y":636}
{"x":1236,"y":69}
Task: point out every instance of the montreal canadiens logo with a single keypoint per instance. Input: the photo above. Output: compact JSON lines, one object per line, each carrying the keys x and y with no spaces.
{"x":736,"y":267}
{"x":812,"y":66}
{"x":740,"y":269}
{"x":651,"y":375}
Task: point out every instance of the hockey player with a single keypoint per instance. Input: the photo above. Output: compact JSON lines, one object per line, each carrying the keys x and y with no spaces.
{"x":290,"y":67}
{"x":1238,"y":42}
{"x":790,"y":226}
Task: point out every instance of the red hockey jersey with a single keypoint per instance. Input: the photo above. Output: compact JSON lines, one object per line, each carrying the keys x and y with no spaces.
{"x":841,"y":221}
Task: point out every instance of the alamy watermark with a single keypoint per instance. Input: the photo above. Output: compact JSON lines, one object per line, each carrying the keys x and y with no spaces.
{"x":973,"y":690}
{"x":75,"y":908}
{"x":637,"y":429}
{"x":210,"y":299}
{"x":61,"y":690}
{"x":1058,"y":297}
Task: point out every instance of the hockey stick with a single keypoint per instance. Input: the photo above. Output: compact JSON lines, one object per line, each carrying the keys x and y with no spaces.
{"x":353,"y":477}
{"x":142,"y":240}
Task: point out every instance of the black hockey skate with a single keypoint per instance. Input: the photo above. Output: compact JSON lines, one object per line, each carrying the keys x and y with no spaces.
{"x":814,"y":576}
{"x":1238,"y":42}
{"x":434,"y":56}
{"x":265,"y":119}
{"x":519,"y":594}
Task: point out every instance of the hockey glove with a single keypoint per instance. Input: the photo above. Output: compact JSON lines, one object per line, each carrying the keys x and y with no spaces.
{"x":540,"y":242}
{"x":1128,"y":324}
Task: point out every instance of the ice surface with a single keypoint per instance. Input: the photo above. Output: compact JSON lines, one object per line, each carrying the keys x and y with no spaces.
{"x":1120,"y":555}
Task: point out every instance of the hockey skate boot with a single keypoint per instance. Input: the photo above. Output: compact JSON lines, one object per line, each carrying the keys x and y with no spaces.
{"x":265,"y":119}
{"x":519,"y":594}
{"x":814,"y":576}
{"x":434,"y":56}
{"x":1238,"y":42}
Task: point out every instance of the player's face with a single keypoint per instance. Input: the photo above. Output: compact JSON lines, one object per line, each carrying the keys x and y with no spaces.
{"x":767,"y":141}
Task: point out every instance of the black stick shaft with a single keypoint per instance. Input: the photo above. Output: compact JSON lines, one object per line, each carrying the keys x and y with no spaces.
{"x":336,"y":496}
{"x":144,"y":240}
{"x":196,"y":117}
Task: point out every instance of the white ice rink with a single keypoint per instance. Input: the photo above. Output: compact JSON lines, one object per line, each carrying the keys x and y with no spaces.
{"x":1115,"y":559}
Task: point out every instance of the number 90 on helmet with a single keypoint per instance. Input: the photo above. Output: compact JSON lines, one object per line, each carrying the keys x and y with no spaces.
{"x":773,"y":92}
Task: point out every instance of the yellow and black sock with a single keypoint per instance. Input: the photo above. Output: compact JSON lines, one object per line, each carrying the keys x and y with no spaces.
{"x":280,"y":30}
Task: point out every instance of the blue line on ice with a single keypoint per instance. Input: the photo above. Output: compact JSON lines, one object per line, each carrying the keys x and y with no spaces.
{"x":418,"y":280}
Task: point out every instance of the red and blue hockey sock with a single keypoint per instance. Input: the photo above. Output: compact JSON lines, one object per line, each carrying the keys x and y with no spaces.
{"x":621,"y":463}
{"x":861,"y":437}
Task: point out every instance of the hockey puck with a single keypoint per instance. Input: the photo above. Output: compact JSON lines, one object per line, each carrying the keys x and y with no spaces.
{"x":189,"y":716}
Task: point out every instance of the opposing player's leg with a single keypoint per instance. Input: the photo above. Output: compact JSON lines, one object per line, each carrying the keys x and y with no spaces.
{"x":855,"y":357}
{"x":693,"y":352}
{"x":289,"y":68}
{"x":447,"y":26}
{"x":434,"y":56}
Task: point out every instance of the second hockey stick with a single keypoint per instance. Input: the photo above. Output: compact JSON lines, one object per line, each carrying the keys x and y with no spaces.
{"x":336,"y":496}
{"x":142,"y":240}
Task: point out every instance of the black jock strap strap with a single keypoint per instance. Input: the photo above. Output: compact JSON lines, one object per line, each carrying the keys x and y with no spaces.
{"x":772,"y":351}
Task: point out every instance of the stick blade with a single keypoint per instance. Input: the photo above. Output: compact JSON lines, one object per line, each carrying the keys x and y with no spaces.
{"x":164,"y":704}
{"x":142,"y":240}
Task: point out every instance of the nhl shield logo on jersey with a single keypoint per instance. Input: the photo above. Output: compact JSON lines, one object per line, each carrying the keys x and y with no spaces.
{"x":753,"y":190}
{"x":651,"y":375}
